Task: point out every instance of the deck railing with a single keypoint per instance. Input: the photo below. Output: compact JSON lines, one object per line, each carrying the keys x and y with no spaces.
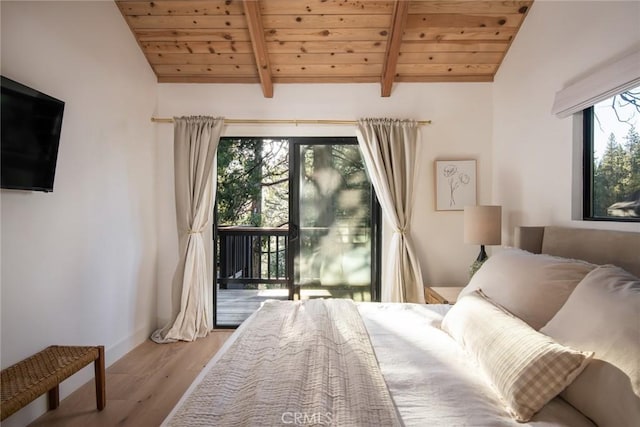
{"x":251,"y":256}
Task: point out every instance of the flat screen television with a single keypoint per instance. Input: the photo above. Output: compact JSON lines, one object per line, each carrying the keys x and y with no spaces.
{"x":30,"y":128}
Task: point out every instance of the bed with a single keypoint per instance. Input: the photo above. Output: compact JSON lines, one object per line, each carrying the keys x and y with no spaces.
{"x":545,"y":334}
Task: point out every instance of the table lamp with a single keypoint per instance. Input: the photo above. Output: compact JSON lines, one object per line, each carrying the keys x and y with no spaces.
{"x":482,"y":226}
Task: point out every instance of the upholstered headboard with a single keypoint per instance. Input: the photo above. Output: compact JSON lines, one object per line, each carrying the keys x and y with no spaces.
{"x":621,"y":248}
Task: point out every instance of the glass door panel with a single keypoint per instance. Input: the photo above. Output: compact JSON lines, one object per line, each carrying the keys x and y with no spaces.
{"x":333,"y":207}
{"x":252,"y":232}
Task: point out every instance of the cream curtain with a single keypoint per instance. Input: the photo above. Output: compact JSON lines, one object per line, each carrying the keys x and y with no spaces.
{"x":195,"y":144}
{"x":389,"y":149}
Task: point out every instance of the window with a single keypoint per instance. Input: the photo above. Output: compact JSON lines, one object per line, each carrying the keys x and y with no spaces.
{"x":611,"y":170}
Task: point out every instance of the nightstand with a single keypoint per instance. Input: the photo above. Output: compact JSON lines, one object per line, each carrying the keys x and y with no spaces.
{"x":442,"y":294}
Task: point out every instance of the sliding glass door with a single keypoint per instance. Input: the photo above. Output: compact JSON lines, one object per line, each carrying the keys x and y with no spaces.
{"x":295,"y":218}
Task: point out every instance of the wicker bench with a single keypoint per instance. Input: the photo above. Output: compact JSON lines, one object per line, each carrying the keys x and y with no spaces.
{"x":43,"y":372}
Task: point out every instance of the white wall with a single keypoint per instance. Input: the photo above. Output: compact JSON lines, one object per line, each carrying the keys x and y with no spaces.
{"x":461,"y":129}
{"x":532,"y":149}
{"x":91,"y":262}
{"x":79,"y":264}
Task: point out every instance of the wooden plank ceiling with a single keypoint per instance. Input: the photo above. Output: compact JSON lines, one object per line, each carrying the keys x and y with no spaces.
{"x":324,"y":41}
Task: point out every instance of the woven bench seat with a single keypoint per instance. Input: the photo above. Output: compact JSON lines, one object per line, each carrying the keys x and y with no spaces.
{"x":43,"y":372}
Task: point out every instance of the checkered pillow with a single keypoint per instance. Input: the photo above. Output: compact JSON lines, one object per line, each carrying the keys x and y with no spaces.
{"x":527,"y":368}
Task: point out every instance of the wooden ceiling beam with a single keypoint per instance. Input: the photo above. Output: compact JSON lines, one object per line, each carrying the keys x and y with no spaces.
{"x":398,"y":22}
{"x":256,"y":31}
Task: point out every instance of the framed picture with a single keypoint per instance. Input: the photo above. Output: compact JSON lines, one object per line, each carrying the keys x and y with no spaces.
{"x":455,"y":184}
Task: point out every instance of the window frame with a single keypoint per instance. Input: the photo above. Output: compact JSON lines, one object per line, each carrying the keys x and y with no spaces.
{"x":587,"y":165}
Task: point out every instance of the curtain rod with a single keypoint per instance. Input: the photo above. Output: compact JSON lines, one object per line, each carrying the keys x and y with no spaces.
{"x":282,"y":122}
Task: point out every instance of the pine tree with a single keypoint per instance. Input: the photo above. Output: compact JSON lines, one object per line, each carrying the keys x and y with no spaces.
{"x":246,"y":167}
{"x":632,"y":149}
{"x":610,"y":177}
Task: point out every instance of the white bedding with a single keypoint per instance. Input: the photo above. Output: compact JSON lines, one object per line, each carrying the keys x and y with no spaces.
{"x":430,"y":379}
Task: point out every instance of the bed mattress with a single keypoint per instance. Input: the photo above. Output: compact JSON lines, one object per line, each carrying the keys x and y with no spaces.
{"x":430,"y":379}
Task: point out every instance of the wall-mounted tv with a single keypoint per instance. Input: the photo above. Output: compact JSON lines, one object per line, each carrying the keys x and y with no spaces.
{"x":30,"y":128}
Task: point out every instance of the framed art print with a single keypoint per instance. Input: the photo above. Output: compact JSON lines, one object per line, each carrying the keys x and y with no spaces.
{"x":455,"y":184}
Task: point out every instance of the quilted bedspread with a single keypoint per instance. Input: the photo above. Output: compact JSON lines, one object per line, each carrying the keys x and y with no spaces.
{"x":297,"y":362}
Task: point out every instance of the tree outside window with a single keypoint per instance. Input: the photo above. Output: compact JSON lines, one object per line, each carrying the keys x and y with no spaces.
{"x":253,"y":182}
{"x":612,"y":158}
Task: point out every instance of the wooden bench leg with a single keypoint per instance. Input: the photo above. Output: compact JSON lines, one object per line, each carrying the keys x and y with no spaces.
{"x":101,"y":394}
{"x":54,"y":397}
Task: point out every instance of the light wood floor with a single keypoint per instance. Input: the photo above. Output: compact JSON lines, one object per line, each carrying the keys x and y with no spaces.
{"x":142,"y":387}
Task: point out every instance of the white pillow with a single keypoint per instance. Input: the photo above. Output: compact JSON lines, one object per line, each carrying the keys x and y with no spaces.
{"x":603,"y":314}
{"x":531,"y":286}
{"x":527,"y":369}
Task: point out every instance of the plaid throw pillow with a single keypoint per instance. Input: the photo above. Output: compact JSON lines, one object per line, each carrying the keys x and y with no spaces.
{"x":527,"y":368}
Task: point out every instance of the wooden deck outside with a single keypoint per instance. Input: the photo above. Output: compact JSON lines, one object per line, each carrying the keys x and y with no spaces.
{"x":233,"y":306}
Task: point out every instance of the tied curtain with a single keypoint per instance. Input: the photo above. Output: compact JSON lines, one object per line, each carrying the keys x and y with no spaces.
{"x":195,"y":145}
{"x":389,"y":148}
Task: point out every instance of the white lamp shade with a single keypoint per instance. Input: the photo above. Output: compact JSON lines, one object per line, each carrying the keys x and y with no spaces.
{"x":483,"y":225}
